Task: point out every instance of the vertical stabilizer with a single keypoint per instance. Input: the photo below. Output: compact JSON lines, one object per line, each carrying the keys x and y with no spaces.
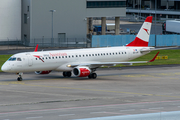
{"x":142,"y":38}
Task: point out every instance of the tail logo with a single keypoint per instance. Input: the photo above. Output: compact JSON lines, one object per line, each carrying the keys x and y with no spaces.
{"x":146,"y":30}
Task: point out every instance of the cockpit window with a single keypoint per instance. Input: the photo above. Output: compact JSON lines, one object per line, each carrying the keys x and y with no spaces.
{"x":19,"y":59}
{"x":12,"y":59}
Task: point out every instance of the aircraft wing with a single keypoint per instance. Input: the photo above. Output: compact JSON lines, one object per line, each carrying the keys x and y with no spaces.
{"x":99,"y":64}
{"x":153,"y":49}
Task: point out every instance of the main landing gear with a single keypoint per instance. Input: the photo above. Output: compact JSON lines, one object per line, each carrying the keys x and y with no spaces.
{"x":92,"y":76}
{"x":19,"y":77}
{"x":67,"y":74}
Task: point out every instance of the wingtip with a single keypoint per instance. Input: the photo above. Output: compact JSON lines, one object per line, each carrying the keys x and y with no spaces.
{"x":36,"y":48}
{"x":154,"y":57}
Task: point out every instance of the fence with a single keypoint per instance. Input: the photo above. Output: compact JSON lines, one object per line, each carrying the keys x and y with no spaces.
{"x":122,"y":40}
{"x":46,"y":42}
{"x":97,"y":41}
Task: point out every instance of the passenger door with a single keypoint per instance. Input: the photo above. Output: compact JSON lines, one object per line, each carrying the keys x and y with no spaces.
{"x":30,"y":60}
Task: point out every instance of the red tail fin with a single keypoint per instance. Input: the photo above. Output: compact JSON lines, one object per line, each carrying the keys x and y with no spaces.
{"x":142,"y":38}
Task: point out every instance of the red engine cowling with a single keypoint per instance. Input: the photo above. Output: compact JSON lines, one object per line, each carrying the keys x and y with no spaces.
{"x":43,"y":72}
{"x":81,"y":71}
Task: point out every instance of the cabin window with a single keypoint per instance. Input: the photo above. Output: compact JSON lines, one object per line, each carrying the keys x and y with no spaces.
{"x":19,"y":59}
{"x":122,"y":52}
{"x":86,"y":55}
{"x":106,"y":53}
{"x":69,"y":56}
{"x":95,"y":54}
{"x":46,"y":58}
{"x":12,"y":59}
{"x":125,"y":52}
{"x":59,"y":57}
{"x":79,"y":55}
{"x":83,"y":55}
{"x":76,"y":55}
{"x":62,"y":56}
{"x":109,"y":53}
{"x":49,"y":57}
{"x":72,"y":55}
{"x":89,"y":54}
{"x":119,"y":52}
{"x":116,"y":53}
{"x":36,"y":58}
{"x":66,"y":56}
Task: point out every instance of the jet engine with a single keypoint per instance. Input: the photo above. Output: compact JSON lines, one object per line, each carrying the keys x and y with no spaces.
{"x":81,"y":71}
{"x":43,"y":72}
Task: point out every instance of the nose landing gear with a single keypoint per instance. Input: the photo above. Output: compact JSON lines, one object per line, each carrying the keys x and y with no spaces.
{"x":19,"y":77}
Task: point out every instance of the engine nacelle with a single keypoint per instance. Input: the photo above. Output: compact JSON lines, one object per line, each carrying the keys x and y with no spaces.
{"x":81,"y":71}
{"x":43,"y":72}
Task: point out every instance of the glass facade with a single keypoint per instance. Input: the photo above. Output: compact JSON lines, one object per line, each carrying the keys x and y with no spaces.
{"x":106,"y":4}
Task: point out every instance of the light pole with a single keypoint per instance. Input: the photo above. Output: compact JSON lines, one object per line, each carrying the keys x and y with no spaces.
{"x":52,"y":39}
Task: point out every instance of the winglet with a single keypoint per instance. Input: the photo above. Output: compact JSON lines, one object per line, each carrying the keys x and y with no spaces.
{"x":154,"y":57}
{"x":36,"y":48}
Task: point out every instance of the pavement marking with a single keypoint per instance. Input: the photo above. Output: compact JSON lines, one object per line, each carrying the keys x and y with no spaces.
{"x":66,"y":115}
{"x":85,"y":107}
{"x":34,"y":117}
{"x":154,"y":75}
{"x":96,"y":90}
{"x":97,"y":112}
{"x":153,"y":110}
{"x":127,"y":110}
{"x":157,"y":108}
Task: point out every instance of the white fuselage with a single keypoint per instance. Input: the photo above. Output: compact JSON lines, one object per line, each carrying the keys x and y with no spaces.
{"x":60,"y":59}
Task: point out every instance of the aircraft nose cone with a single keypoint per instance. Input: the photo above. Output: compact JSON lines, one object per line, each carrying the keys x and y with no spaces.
{"x":4,"y":68}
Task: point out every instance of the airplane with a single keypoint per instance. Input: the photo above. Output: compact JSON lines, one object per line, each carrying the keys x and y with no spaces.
{"x":81,"y":62}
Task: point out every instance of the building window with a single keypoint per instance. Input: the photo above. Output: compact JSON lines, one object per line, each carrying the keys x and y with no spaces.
{"x":27,"y":8}
{"x":105,"y":4}
{"x":25,"y":18}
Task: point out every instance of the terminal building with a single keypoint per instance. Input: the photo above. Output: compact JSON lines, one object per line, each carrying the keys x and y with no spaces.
{"x":52,"y":21}
{"x":164,"y":9}
{"x":10,"y":20}
{"x":62,"y":20}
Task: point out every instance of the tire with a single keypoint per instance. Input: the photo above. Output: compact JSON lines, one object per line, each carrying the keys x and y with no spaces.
{"x":19,"y":79}
{"x":94,"y":75}
{"x":68,"y":74}
{"x":90,"y":76}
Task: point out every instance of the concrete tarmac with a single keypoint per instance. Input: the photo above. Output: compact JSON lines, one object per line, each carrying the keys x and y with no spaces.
{"x":116,"y":92}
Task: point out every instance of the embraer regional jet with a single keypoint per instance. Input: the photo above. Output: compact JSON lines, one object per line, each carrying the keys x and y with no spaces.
{"x":81,"y":62}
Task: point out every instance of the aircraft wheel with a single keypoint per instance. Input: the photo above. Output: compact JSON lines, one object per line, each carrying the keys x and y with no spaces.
{"x":94,"y":75}
{"x":19,"y":79}
{"x":64,"y":74}
{"x":67,"y":74}
{"x":89,"y":76}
